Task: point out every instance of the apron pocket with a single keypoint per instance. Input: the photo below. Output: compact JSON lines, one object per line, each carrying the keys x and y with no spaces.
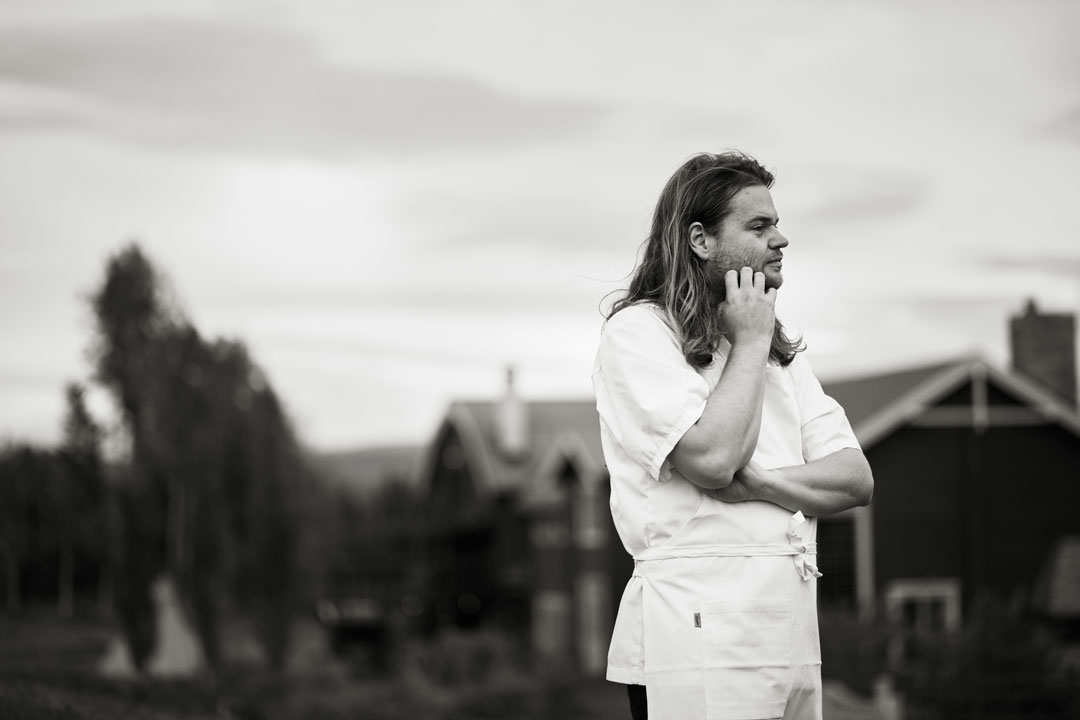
{"x":747,"y":652}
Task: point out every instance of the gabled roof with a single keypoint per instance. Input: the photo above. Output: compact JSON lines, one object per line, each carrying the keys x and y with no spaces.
{"x":878,"y":405}
{"x":568,"y":428}
{"x":861,"y":397}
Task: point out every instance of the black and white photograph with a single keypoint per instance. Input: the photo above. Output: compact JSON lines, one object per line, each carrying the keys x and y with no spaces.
{"x":509,"y":360}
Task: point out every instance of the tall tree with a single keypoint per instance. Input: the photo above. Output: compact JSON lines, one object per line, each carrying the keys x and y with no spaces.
{"x":132,"y":320}
{"x":213,"y":457}
{"x":15,"y":500}
{"x":31,"y":481}
{"x":81,"y":500}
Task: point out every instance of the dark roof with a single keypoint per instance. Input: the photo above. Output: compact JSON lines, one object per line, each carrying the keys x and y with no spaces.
{"x":861,"y":397}
{"x":565,"y":428}
{"x":878,"y":405}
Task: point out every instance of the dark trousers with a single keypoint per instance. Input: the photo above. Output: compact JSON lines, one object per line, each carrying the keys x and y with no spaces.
{"x":639,"y":706}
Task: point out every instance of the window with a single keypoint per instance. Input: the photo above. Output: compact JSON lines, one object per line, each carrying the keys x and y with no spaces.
{"x":551,"y":624}
{"x":918,"y":609}
{"x":924,"y":606}
{"x":588,"y":511}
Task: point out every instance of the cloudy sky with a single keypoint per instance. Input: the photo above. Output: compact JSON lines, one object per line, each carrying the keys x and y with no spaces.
{"x":390,"y":202}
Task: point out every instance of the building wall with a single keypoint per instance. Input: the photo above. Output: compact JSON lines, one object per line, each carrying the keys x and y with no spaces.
{"x":920,"y":521}
{"x":461,"y":540}
{"x":985,"y":508}
{"x":1034,"y":477}
{"x":580,"y":572}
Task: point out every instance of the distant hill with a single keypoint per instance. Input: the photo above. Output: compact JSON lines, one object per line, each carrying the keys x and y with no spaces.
{"x":365,"y":469}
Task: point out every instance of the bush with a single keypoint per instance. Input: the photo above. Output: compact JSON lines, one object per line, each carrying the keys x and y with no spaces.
{"x":457,"y":660}
{"x":1002,"y":666}
{"x":852,"y":651}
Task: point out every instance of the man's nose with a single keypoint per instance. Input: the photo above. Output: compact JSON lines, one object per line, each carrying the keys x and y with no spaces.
{"x":778,"y":240}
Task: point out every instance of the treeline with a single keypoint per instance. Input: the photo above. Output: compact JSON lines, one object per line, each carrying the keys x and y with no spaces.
{"x":212,"y":490}
{"x":54,"y":515}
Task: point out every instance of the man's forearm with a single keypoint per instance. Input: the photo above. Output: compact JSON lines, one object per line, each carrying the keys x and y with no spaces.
{"x":724,"y":437}
{"x":829,"y":485}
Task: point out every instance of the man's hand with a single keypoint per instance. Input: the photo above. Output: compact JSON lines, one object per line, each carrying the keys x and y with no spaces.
{"x":828,"y":485}
{"x":748,"y":484}
{"x":749,"y":310}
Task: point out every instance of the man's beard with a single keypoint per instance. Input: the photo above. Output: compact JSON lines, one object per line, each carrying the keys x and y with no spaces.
{"x":715,"y":269}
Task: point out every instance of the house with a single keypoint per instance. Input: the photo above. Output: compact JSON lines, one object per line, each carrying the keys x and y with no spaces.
{"x":977,"y":472}
{"x":520,"y":535}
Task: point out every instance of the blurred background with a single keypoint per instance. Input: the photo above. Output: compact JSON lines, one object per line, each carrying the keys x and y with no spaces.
{"x":298,"y":307}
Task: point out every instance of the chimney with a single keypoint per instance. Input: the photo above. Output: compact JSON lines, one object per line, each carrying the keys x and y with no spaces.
{"x":511,"y":422}
{"x":1043,"y":347}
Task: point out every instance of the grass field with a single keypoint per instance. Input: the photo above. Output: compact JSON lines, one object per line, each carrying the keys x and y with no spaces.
{"x":48,"y":671}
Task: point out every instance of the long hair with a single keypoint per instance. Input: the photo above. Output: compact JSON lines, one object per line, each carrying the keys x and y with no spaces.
{"x":673,"y":277}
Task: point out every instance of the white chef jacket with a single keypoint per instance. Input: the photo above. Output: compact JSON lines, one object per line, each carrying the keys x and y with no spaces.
{"x":708,"y":572}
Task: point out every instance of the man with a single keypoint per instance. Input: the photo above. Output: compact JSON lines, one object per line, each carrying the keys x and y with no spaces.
{"x":722,"y":450}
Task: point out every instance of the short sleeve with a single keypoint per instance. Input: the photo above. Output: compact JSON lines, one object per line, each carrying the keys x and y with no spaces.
{"x":646,"y":392}
{"x":825,"y":427}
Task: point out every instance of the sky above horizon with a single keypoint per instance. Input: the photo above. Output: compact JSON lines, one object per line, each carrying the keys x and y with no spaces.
{"x":391,"y":202}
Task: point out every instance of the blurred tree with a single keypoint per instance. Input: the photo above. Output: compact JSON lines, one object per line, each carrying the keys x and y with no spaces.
{"x":268,"y":471}
{"x":15,"y":520}
{"x":213,"y":458}
{"x":132,"y":319}
{"x":80,"y":502}
{"x":185,"y":430}
{"x":138,"y":556}
{"x":32,"y":486}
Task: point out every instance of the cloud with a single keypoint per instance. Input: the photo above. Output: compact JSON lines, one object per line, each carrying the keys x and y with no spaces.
{"x":1066,"y":125}
{"x":502,"y":296}
{"x":258,"y":89}
{"x":546,"y":222}
{"x":842,"y":195}
{"x":1061,"y":265}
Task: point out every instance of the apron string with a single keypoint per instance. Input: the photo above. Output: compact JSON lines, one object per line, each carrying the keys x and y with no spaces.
{"x":799,"y":550}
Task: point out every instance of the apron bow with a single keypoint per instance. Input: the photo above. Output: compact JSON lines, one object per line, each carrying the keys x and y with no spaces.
{"x":803,"y":566}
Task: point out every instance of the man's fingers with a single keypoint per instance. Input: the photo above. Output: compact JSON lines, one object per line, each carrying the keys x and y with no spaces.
{"x":746,"y":277}
{"x":759,"y":281}
{"x":731,"y":282}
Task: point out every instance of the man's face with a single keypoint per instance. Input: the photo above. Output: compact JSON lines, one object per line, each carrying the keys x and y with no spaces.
{"x":748,"y":237}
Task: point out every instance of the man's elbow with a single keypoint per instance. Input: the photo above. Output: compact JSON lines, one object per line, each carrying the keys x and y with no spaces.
{"x":864,"y":485}
{"x":712,"y":470}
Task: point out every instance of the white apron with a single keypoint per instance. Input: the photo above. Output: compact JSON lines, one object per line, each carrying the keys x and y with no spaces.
{"x":730,"y":628}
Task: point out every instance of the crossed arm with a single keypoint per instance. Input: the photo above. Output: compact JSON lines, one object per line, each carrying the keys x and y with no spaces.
{"x":715,"y":452}
{"x":836,"y":482}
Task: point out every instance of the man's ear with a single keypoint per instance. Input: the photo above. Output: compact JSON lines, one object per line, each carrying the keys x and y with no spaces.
{"x":700,"y":242}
